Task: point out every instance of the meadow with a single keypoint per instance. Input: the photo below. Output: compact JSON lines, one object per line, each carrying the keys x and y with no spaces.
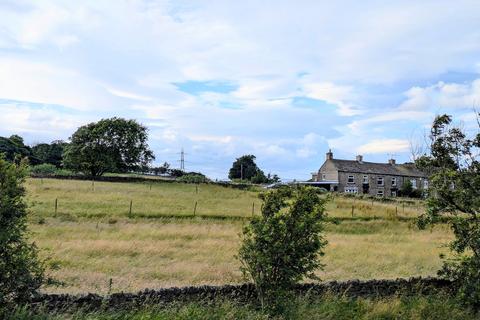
{"x":95,"y":245}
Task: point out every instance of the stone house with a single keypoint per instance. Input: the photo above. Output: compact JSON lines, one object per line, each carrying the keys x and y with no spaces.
{"x":358,"y":176}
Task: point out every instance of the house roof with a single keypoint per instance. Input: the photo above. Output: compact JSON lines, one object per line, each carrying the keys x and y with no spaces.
{"x":407,"y":169}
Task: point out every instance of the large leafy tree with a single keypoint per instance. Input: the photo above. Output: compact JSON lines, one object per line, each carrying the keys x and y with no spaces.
{"x":454,"y":194}
{"x":115,"y":145}
{"x":245,"y":168}
{"x":21,"y":272}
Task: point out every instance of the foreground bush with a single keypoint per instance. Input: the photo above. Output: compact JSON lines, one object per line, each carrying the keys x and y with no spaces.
{"x":21,"y":273}
{"x":454,"y":166}
{"x":283,"y":245}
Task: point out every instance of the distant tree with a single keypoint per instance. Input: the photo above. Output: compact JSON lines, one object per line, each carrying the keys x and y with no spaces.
{"x":175,"y":173}
{"x":21,"y":272}
{"x":50,"y":153}
{"x":13,"y":146}
{"x":454,"y":192}
{"x":161,"y":169}
{"x":273,"y":179}
{"x":283,"y":245}
{"x":115,"y":145}
{"x":245,"y":168}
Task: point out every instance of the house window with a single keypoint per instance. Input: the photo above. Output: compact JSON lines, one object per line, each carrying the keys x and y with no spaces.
{"x":380,"y":181}
{"x":324,"y":176}
{"x":351,"y":190}
{"x":414,"y":183}
{"x":394,"y":182}
{"x":379,"y":193}
{"x":365,"y":179}
{"x":351,"y":179}
{"x":425,"y":184}
{"x":394,"y":193}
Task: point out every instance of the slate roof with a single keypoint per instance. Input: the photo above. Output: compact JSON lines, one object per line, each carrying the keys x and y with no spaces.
{"x":407,"y":169}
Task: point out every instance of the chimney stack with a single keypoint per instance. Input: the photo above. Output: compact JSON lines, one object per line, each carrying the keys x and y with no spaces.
{"x":391,"y":161}
{"x":329,"y":155}
{"x":359,"y":158}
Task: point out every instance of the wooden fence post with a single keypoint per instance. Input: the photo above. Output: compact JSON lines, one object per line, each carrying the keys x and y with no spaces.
{"x":195,"y":209}
{"x":130,"y":210}
{"x":253,"y":209}
{"x":353,"y":209}
{"x":56,"y":206}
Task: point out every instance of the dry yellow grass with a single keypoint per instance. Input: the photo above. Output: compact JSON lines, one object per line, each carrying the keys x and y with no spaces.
{"x":166,"y":252}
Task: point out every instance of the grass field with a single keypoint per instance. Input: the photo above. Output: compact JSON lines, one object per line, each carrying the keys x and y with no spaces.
{"x":108,"y":199}
{"x":92,"y":239}
{"x":151,"y":200}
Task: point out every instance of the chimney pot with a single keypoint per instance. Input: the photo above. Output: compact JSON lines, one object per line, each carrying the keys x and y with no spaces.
{"x":391,"y":161}
{"x":359,"y":158}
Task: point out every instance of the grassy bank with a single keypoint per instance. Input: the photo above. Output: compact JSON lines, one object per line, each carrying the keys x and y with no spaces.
{"x":430,"y":307}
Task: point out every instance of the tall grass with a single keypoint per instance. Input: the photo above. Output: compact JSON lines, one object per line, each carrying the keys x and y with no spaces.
{"x":433,"y":307}
{"x":137,"y":254}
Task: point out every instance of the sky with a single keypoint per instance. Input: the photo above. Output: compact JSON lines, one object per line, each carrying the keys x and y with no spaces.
{"x":282,"y":80}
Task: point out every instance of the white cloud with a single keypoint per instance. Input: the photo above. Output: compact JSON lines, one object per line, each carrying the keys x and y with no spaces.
{"x":384,"y":146}
{"x":443,"y":95}
{"x":121,"y":58}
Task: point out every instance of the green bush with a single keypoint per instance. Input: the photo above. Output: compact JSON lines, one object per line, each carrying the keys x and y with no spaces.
{"x":21,"y":272}
{"x":44,"y":169}
{"x":193,"y":178}
{"x":283,"y":245}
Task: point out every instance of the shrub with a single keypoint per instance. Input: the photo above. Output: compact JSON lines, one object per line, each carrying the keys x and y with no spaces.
{"x":193,"y":177}
{"x":282,"y":246}
{"x":44,"y":169}
{"x":21,"y":272}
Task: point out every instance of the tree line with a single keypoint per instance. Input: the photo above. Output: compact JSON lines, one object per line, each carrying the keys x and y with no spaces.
{"x":114,"y":145}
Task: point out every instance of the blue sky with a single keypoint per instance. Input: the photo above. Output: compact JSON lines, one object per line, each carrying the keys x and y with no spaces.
{"x":283,"y":80}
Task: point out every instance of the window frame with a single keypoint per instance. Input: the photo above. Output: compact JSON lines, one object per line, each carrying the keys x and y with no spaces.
{"x":365,"y":179}
{"x":381,"y":179}
{"x":352,"y":177}
{"x":394,"y":181}
{"x":380,"y":193}
{"x":414,"y":183}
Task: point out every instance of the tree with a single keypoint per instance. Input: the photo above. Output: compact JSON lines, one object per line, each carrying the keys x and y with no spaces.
{"x":115,"y":145}
{"x":245,"y":168}
{"x":162,"y":169}
{"x":283,"y":245}
{"x":13,"y":147}
{"x":21,"y":272}
{"x":454,"y":193}
{"x":50,"y":153}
